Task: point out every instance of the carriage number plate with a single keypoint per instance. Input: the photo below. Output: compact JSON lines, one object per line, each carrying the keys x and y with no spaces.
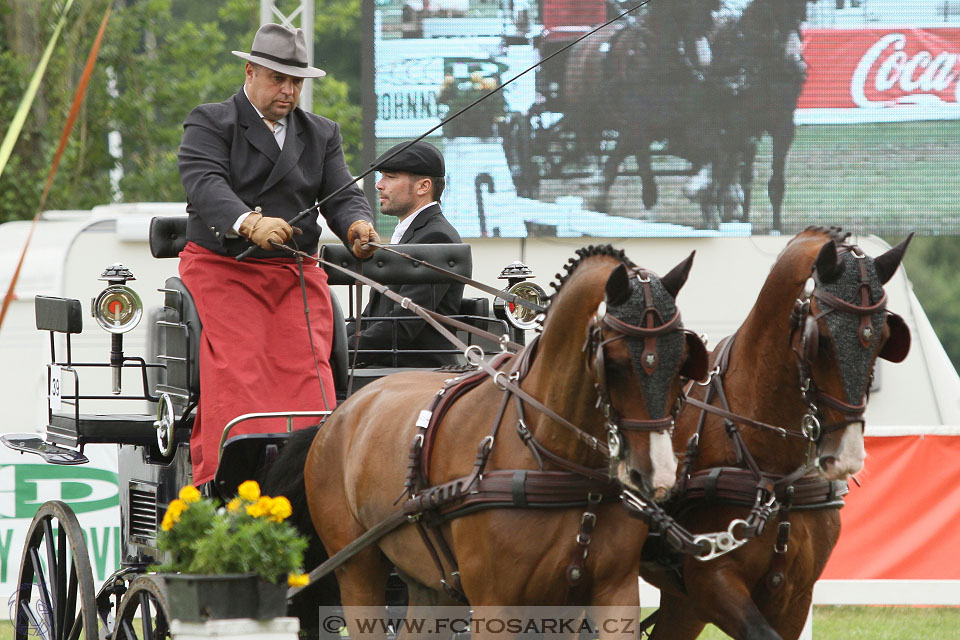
{"x":54,"y":388}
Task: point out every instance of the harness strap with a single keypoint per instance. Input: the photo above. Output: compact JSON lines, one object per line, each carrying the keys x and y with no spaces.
{"x":737,"y":486}
{"x":776,"y":572}
{"x":578,"y":557}
{"x":540,"y":452}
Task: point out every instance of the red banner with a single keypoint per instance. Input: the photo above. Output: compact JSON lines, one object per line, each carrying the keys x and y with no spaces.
{"x":904,"y":522}
{"x":877,"y":68}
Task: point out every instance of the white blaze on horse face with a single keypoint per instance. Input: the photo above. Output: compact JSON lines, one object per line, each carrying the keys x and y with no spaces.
{"x":664,"y":463}
{"x":849,"y":456}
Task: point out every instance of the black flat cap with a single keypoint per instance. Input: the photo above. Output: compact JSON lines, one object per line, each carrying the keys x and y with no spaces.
{"x":421,"y":158}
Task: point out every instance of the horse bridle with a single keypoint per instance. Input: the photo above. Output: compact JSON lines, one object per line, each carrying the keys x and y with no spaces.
{"x":649,"y":360}
{"x":803,"y":319}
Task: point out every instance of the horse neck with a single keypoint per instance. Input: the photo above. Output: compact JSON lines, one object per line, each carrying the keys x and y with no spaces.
{"x":558,"y":376}
{"x":762,"y":381}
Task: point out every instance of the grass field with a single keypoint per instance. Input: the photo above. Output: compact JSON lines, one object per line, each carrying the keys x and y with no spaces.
{"x":868,"y":178}
{"x":877,"y":623}
{"x":837,"y":623}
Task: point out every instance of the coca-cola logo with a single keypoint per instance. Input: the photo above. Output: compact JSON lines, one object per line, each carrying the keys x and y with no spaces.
{"x":892,"y":73}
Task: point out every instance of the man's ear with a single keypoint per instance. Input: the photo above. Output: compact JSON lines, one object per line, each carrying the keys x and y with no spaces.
{"x":424,"y":186}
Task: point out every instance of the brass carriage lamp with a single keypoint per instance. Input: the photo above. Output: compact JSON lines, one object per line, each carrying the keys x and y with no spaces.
{"x":517,"y":274}
{"x":118,"y":309}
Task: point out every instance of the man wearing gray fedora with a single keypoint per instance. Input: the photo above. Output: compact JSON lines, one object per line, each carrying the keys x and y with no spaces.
{"x":249,"y":165}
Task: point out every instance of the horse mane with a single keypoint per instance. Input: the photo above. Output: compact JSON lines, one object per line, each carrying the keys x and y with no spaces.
{"x":583,"y":254}
{"x":837,"y":234}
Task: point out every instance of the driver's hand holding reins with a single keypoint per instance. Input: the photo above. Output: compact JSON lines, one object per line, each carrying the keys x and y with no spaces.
{"x":359,"y":235}
{"x":263,"y":230}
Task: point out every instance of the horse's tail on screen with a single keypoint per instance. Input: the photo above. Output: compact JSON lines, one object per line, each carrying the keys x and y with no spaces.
{"x":285,"y":478}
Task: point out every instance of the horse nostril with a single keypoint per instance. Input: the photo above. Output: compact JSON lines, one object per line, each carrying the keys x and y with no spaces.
{"x":637,"y":479}
{"x":826,"y":461}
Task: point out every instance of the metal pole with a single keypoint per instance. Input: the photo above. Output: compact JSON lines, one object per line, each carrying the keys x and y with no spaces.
{"x":301,"y":17}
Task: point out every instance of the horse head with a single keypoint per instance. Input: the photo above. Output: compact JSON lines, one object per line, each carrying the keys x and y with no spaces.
{"x":634,"y":340}
{"x":839,"y":327}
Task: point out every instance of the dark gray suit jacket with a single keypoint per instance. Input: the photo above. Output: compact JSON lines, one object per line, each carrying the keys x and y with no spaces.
{"x":230,"y":163}
{"x":428,"y":227}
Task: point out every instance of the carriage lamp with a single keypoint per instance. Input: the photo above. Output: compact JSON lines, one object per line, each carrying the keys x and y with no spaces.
{"x":118,"y":309}
{"x":516,"y":274}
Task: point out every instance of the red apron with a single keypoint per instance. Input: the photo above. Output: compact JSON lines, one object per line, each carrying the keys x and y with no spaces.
{"x":254,"y":349}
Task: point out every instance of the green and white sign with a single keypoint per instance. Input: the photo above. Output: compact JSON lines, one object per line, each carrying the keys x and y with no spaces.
{"x":91,"y":490}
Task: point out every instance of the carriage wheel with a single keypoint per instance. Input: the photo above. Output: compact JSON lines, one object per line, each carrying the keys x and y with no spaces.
{"x":143,"y":613}
{"x":55,"y":598}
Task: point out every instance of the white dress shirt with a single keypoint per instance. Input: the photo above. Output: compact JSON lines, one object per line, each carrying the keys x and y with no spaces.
{"x":406,"y":222}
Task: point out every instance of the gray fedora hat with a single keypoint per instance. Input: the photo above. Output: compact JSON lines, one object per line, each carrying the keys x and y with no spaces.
{"x":281,"y":49}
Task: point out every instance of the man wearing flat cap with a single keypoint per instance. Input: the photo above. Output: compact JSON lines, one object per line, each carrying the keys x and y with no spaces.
{"x":411,"y":182}
{"x":249,"y":165}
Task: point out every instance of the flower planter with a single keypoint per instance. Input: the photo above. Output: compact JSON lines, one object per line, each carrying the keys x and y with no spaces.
{"x":197,"y":598}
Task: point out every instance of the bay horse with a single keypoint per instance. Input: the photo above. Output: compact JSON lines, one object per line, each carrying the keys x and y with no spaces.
{"x":549,"y":452}
{"x":649,"y":75}
{"x":755,"y":77}
{"x":793,"y":381}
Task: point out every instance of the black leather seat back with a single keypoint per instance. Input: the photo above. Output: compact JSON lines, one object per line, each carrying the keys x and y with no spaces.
{"x":168,"y":236}
{"x":181,"y":328}
{"x":389,"y":268}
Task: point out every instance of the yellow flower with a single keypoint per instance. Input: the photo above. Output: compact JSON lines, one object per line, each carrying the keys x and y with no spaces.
{"x":233,"y":505}
{"x":189,"y":494}
{"x":280,"y":509}
{"x":261,"y":507}
{"x":298,"y":579}
{"x":172,"y":516}
{"x":249,"y":491}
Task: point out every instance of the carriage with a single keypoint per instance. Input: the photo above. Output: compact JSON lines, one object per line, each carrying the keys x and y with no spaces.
{"x":56,"y":585}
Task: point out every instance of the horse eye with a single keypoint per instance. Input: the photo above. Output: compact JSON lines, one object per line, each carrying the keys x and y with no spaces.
{"x":618,"y":371}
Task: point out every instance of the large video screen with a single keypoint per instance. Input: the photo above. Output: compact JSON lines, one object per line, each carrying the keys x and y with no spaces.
{"x":681,"y":118}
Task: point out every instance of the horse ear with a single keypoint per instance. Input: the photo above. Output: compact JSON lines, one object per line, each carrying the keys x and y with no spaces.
{"x":674,"y":280}
{"x":897,"y":345}
{"x":828,"y":265}
{"x":618,"y":288}
{"x":887,"y":263}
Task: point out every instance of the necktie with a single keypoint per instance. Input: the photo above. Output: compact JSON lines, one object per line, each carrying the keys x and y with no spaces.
{"x":277,"y":128}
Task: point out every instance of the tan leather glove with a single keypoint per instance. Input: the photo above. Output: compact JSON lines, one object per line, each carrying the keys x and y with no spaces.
{"x":264,"y":229}
{"x":359,"y":234}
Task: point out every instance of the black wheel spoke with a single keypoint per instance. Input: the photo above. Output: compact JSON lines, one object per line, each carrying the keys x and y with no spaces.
{"x":48,"y":541}
{"x":70,"y":608}
{"x":145,"y":618}
{"x":45,"y":605}
{"x":75,"y":628}
{"x":127,"y":627}
{"x":60,"y":572}
{"x":29,"y":621}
